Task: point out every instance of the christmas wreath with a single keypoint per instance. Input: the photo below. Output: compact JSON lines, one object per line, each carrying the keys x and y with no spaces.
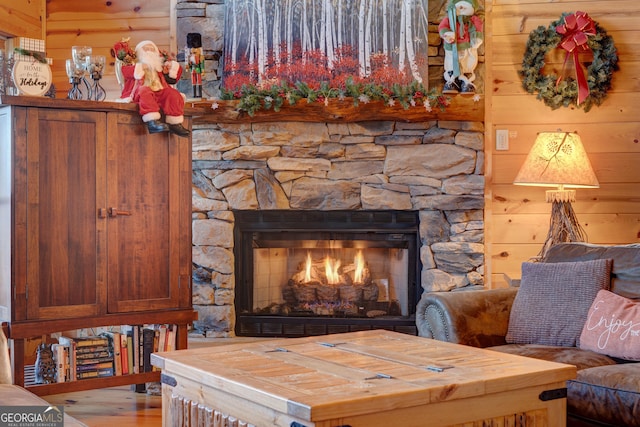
{"x":574,"y":33}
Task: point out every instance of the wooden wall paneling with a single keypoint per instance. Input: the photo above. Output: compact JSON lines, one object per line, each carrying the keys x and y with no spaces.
{"x":597,"y":138}
{"x":489,"y":140}
{"x":601,"y":228}
{"x":22,"y":18}
{"x":609,"y":167}
{"x":519,"y":216}
{"x":622,"y":198}
{"x":617,"y":107}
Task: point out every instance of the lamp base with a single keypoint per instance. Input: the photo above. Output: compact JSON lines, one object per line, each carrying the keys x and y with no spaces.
{"x":561,"y":196}
{"x":563,"y":225}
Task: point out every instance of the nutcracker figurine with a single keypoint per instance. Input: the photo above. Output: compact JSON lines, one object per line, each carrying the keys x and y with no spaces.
{"x":195,"y":62}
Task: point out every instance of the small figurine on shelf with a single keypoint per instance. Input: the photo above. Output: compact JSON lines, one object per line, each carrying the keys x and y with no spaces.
{"x":125,"y":59}
{"x":45,"y":369}
{"x":462,"y":33}
{"x":153,"y":92}
{"x":195,"y":62}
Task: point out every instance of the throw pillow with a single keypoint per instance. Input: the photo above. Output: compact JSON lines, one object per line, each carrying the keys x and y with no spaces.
{"x":613,"y":327}
{"x":553,"y":301}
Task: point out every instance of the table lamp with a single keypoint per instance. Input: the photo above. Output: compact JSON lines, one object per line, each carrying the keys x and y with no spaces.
{"x":558,"y":159}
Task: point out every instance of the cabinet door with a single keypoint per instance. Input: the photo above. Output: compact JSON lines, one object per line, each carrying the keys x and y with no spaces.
{"x":64,"y":264}
{"x":146,"y":228}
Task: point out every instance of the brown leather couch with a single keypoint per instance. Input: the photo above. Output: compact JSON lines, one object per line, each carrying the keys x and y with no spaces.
{"x":606,"y":391}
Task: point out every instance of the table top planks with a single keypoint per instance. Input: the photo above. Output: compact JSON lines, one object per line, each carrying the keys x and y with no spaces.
{"x":330,"y":376}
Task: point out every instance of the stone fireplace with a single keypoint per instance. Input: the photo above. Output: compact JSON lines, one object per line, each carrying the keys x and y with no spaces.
{"x":432,"y":170}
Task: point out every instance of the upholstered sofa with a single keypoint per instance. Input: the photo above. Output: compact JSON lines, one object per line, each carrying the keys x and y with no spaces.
{"x":559,"y":313}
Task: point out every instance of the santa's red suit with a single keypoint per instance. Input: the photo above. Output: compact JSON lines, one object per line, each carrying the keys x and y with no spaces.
{"x":153,"y":94}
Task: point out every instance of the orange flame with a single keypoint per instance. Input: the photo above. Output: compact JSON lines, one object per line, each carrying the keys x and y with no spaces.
{"x":358,"y":260}
{"x":331,"y":270}
{"x":307,"y":274}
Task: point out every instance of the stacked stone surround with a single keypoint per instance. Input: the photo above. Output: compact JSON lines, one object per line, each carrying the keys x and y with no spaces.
{"x":435,"y":168}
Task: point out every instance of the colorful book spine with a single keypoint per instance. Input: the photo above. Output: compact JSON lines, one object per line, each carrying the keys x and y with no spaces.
{"x":124,"y":354}
{"x":115,"y":343}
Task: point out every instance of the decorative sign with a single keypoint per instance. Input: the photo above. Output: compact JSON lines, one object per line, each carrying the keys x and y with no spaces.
{"x":32,"y":77}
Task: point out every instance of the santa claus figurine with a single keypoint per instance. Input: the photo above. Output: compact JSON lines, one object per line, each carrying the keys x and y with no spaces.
{"x":153,"y":93}
{"x":462,"y":33}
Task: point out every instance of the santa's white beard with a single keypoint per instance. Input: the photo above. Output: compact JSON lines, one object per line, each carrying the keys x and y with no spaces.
{"x":152,"y":59}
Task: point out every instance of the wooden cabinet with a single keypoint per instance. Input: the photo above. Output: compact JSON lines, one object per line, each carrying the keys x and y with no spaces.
{"x":95,"y":224}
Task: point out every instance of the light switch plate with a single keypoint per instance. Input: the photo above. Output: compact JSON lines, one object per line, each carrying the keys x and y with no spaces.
{"x":502,"y":139}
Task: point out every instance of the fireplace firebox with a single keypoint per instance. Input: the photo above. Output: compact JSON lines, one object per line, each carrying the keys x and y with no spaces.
{"x":302,"y":273}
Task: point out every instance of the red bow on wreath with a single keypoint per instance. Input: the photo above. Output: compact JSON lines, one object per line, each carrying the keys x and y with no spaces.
{"x":575,"y":31}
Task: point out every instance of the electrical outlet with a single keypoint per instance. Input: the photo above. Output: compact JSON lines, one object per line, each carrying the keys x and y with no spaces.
{"x":502,"y":139}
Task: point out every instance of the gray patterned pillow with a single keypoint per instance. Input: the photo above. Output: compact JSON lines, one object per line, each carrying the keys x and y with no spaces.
{"x":553,"y":301}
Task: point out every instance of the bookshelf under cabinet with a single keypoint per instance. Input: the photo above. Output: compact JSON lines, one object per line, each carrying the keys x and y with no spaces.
{"x":95,"y":225}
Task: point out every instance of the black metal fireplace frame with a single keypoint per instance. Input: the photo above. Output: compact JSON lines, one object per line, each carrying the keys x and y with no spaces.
{"x":256,"y":225}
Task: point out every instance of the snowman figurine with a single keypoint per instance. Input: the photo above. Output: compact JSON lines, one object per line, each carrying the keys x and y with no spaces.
{"x":462,"y":33}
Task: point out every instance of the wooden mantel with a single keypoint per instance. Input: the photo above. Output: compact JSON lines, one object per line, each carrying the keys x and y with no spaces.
{"x":462,"y":108}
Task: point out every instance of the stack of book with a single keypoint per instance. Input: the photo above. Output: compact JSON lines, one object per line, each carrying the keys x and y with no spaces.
{"x":83,"y":357}
{"x":123,"y":352}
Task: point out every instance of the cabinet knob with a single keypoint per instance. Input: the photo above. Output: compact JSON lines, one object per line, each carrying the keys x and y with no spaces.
{"x":114,"y":212}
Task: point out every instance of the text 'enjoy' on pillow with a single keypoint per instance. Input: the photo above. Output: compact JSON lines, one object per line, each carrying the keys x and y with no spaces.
{"x":613,"y":327}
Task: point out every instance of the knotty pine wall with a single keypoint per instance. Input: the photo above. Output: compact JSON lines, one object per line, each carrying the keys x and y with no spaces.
{"x":25,"y":18}
{"x":516,"y":217}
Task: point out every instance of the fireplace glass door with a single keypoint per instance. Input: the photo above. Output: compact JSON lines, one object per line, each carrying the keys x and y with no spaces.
{"x":330,"y":278}
{"x":327,"y":268}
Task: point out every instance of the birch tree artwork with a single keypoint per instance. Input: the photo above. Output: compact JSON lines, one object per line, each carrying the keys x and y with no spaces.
{"x":325,"y":42}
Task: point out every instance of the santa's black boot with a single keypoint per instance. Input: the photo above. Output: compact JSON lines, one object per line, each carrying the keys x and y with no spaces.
{"x":178,"y":129}
{"x":154,"y":126}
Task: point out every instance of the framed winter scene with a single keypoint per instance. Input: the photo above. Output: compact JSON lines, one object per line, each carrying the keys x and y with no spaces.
{"x":324,"y":47}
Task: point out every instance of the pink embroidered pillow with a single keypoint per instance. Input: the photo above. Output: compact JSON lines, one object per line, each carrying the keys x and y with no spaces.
{"x":613,"y":327}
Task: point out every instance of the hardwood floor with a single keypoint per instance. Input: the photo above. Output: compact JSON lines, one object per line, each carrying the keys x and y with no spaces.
{"x":111,"y":407}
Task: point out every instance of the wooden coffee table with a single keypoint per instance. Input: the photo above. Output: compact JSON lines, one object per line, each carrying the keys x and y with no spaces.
{"x":369,"y":378}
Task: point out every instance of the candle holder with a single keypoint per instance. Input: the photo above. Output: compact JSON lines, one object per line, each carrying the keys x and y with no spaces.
{"x":80,"y":55}
{"x":95,"y":67}
{"x":75,"y":73}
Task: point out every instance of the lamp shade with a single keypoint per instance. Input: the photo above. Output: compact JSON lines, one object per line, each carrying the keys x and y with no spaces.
{"x":557,"y":159}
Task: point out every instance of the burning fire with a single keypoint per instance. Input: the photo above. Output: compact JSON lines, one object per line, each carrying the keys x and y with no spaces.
{"x":307,"y":270}
{"x":358,"y":260}
{"x":332,"y":268}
